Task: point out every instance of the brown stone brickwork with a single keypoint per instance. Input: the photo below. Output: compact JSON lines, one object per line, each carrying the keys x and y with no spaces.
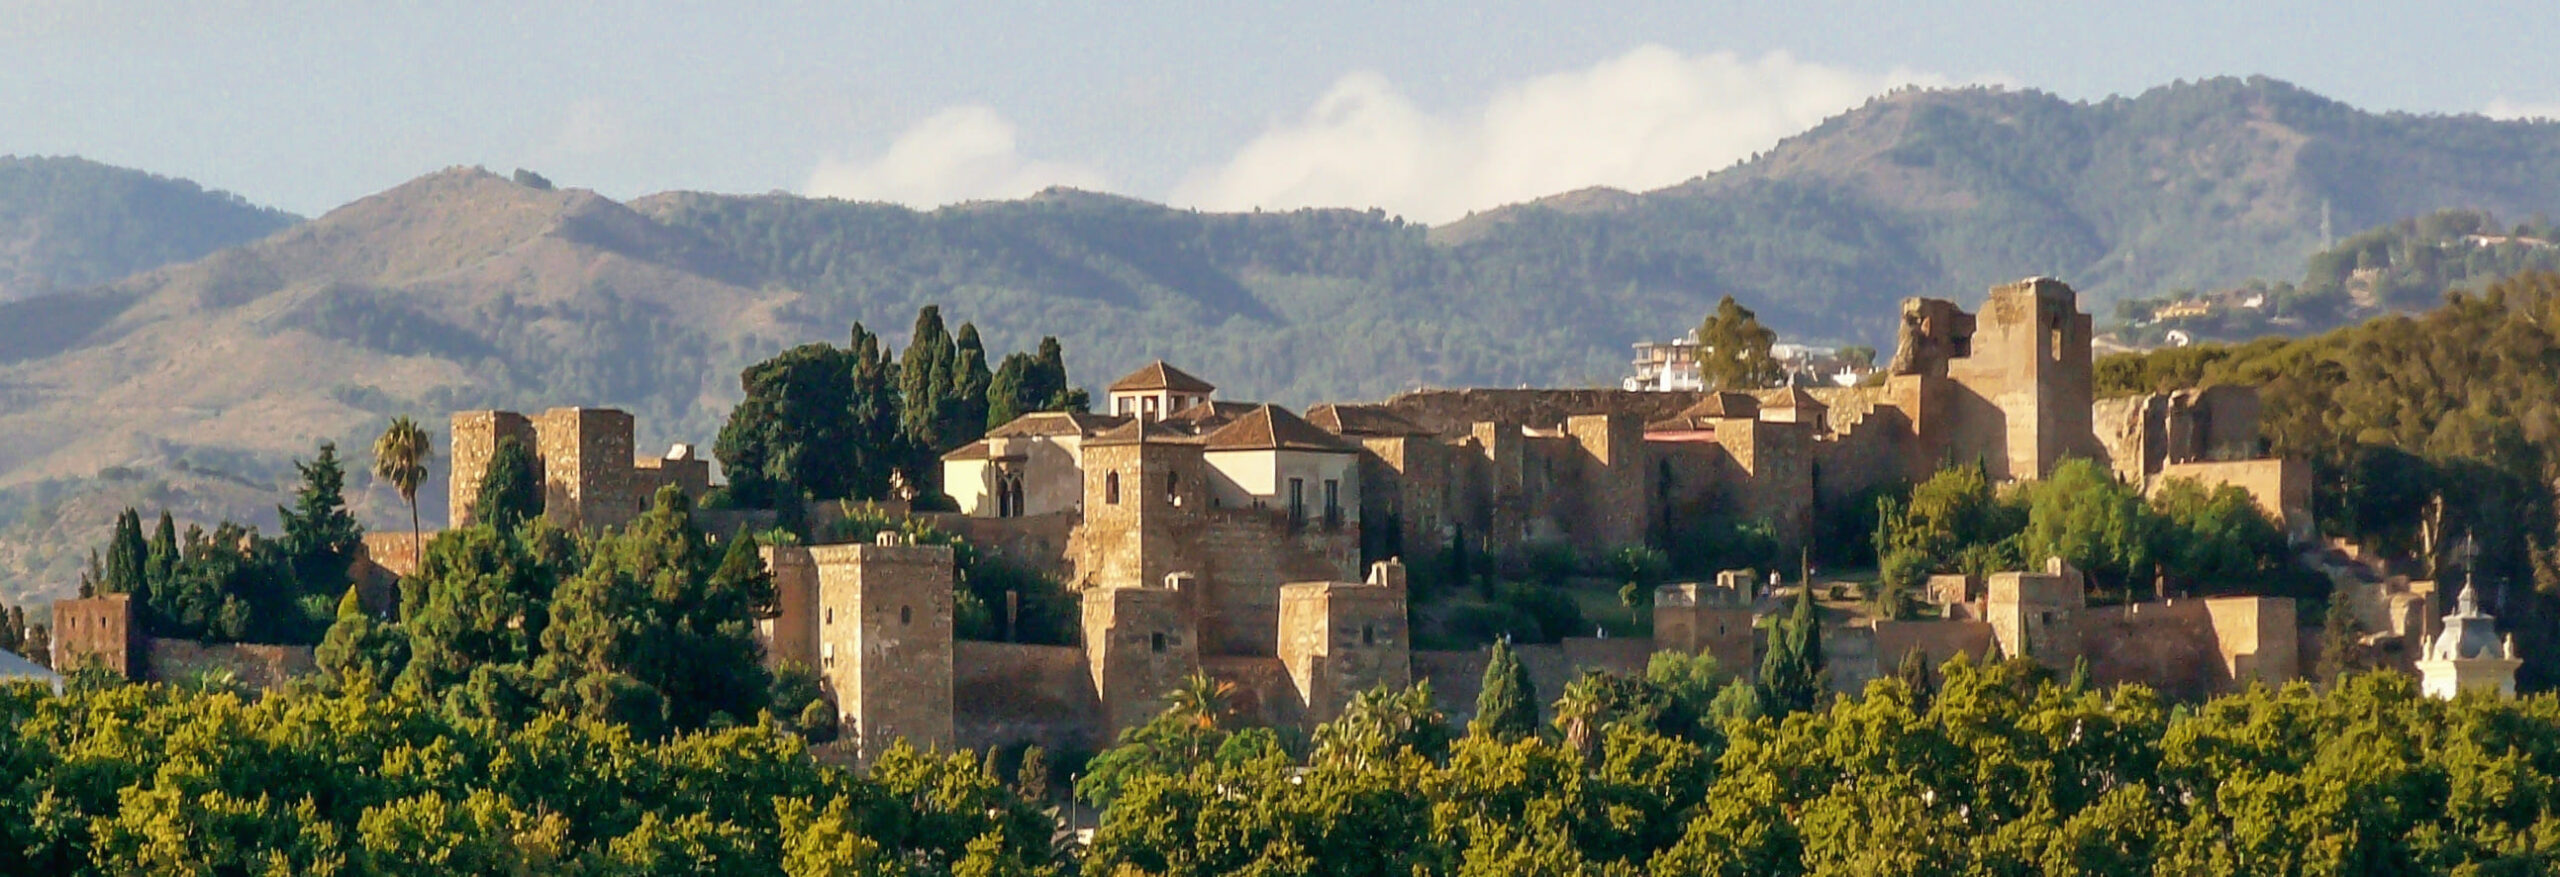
{"x":100,"y":629}
{"x":885,"y":640}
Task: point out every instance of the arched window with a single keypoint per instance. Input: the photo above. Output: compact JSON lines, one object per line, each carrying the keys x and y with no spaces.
{"x":906,"y":615}
{"x":1173,"y":488}
{"x":1111,"y":488}
{"x":1368,"y":634}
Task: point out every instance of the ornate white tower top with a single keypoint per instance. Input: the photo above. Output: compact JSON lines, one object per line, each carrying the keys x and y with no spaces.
{"x":2469,"y":654}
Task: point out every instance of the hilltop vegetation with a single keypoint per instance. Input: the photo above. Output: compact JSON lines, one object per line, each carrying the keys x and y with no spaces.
{"x":66,"y":223}
{"x":2404,"y":267}
{"x":466,"y":289}
{"x":2460,"y":403}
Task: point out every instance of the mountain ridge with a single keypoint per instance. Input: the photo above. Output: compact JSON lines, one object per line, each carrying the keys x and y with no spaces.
{"x":465,"y":289}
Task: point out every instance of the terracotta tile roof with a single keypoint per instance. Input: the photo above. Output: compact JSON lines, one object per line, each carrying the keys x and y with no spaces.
{"x":1054,"y":423}
{"x":1142,"y":432}
{"x":1206,"y":417}
{"x":1159,"y":376}
{"x":976,"y":450}
{"x":1362,"y":420}
{"x":1273,"y":428}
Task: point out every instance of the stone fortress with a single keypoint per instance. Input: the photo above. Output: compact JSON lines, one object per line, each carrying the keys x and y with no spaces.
{"x":1261,"y":547}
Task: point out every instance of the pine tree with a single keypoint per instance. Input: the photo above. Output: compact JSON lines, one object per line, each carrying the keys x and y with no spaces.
{"x":1507,"y":705}
{"x":879,"y":447}
{"x":321,"y":537}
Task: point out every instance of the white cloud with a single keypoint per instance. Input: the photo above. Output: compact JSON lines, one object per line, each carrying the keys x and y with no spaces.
{"x":1650,"y":118}
{"x":960,"y":154}
{"x":2502,"y":108}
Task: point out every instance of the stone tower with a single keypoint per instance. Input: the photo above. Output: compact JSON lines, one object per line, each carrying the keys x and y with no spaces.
{"x":884,"y":640}
{"x":1142,"y":484}
{"x":1140,"y":642}
{"x":2469,"y":655}
{"x":1339,"y":639}
{"x":2028,"y":380}
{"x":475,"y":438}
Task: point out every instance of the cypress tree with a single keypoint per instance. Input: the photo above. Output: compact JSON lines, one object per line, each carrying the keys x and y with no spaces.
{"x":1013,"y":392}
{"x":13,"y":629}
{"x":969,"y":383}
{"x":878,"y":443}
{"x":925,"y":382}
{"x":1792,"y":676}
{"x":510,"y":490}
{"x":162,"y":562}
{"x":128,"y":558}
{"x":1507,"y":705}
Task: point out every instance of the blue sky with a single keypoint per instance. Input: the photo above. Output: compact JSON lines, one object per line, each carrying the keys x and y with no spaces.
{"x":1428,"y":109}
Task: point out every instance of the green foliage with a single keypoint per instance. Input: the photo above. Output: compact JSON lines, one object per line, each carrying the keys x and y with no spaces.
{"x":321,"y":537}
{"x":155,"y":779}
{"x":1381,"y":724}
{"x":2080,"y":513}
{"x":1793,"y":677}
{"x":511,"y":490}
{"x":1733,"y":349}
{"x":1048,"y":613}
{"x":97,"y":223}
{"x":1506,"y":704}
{"x":658,"y":630}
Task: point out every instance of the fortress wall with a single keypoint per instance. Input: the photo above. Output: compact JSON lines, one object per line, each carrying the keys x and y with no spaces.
{"x":1936,"y":641}
{"x":1263,"y":693}
{"x":2257,"y":638}
{"x":2168,"y":646}
{"x":1246,"y":557}
{"x":1456,"y":677}
{"x":1043,"y":542}
{"x":1010,"y":693}
{"x":256,"y":665}
{"x":2281,"y":486}
{"x":1452,"y":413}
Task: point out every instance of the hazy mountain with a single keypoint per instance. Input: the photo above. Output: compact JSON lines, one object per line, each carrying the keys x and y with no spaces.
{"x":195,"y":382}
{"x":66,"y":223}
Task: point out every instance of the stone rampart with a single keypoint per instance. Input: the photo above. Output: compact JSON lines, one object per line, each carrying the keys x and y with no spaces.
{"x":1006,"y":694}
{"x":256,"y":665}
{"x":1454,"y":413}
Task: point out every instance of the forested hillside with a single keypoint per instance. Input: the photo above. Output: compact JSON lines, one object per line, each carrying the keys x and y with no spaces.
{"x":66,"y":223}
{"x":2460,"y":403}
{"x":193,"y":383}
{"x":2404,"y":267}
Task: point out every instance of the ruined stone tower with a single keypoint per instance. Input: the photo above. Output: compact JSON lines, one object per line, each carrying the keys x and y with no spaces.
{"x":2029,"y":371}
{"x":591,"y":477}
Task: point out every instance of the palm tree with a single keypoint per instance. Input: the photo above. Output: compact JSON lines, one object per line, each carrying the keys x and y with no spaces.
{"x":1202,"y":701}
{"x":1582,"y":709}
{"x":400,"y":456}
